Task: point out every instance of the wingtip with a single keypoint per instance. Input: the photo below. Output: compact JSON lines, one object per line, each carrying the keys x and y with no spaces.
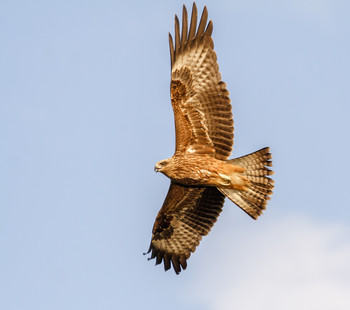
{"x":209,"y":29}
{"x":166,"y":260}
{"x":183,"y":262}
{"x":203,"y":22}
{"x":149,"y":250}
{"x":170,"y":261}
{"x":194,"y":6}
{"x":176,"y":264}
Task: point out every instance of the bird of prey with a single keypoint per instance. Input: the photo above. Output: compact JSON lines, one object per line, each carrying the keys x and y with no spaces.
{"x":200,"y":172}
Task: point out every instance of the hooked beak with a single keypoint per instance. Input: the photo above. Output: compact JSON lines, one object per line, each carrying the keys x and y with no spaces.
{"x":156,"y":169}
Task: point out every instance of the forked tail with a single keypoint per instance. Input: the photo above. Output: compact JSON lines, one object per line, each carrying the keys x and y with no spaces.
{"x":253,"y":200}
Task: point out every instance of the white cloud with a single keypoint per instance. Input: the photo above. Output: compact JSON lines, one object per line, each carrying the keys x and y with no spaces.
{"x":289,"y":263}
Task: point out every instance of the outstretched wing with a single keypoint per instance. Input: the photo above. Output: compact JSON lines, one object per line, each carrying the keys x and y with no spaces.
{"x":188,"y":213}
{"x":202,"y":109}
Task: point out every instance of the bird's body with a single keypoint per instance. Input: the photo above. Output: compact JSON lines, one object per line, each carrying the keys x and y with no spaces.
{"x":200,"y":172}
{"x":203,"y":169}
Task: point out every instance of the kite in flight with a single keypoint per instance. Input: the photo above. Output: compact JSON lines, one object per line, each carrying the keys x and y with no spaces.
{"x":200,"y":172}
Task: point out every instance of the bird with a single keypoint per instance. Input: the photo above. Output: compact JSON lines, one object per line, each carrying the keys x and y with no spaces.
{"x":200,"y":171}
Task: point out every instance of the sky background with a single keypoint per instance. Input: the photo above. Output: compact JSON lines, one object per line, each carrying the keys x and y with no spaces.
{"x":85,"y":114}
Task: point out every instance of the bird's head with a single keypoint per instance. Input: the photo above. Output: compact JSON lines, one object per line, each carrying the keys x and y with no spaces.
{"x":162,"y":165}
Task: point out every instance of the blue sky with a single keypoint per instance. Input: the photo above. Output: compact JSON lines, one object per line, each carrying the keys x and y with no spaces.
{"x":85,"y":114}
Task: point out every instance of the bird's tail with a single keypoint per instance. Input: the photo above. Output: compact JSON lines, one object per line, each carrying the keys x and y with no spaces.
{"x":254,"y":197}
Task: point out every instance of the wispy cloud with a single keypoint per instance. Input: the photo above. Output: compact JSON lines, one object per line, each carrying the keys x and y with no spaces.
{"x":288,"y":263}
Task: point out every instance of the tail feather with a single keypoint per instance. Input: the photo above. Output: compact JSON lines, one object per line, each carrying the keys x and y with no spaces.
{"x":254,"y":199}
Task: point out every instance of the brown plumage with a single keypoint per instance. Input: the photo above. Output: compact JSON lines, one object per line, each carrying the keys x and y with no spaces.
{"x":201,"y":174}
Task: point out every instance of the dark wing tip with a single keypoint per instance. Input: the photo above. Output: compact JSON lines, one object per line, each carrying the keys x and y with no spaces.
{"x":184,"y":25}
{"x":177,"y":33}
{"x":189,"y":33}
{"x":193,"y":24}
{"x":209,"y":29}
{"x":171,"y":47}
{"x":149,"y":250}
{"x":166,"y":259}
{"x":178,"y":262}
{"x":194,"y":8}
{"x":183,"y":262}
{"x":203,"y":22}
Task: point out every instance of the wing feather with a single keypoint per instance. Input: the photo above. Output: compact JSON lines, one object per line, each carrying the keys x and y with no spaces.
{"x":203,"y":22}
{"x":209,"y":29}
{"x":177,"y":34}
{"x":184,"y":26}
{"x":193,"y":25}
{"x":171,"y":47}
{"x":200,"y":100}
{"x":188,"y":214}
